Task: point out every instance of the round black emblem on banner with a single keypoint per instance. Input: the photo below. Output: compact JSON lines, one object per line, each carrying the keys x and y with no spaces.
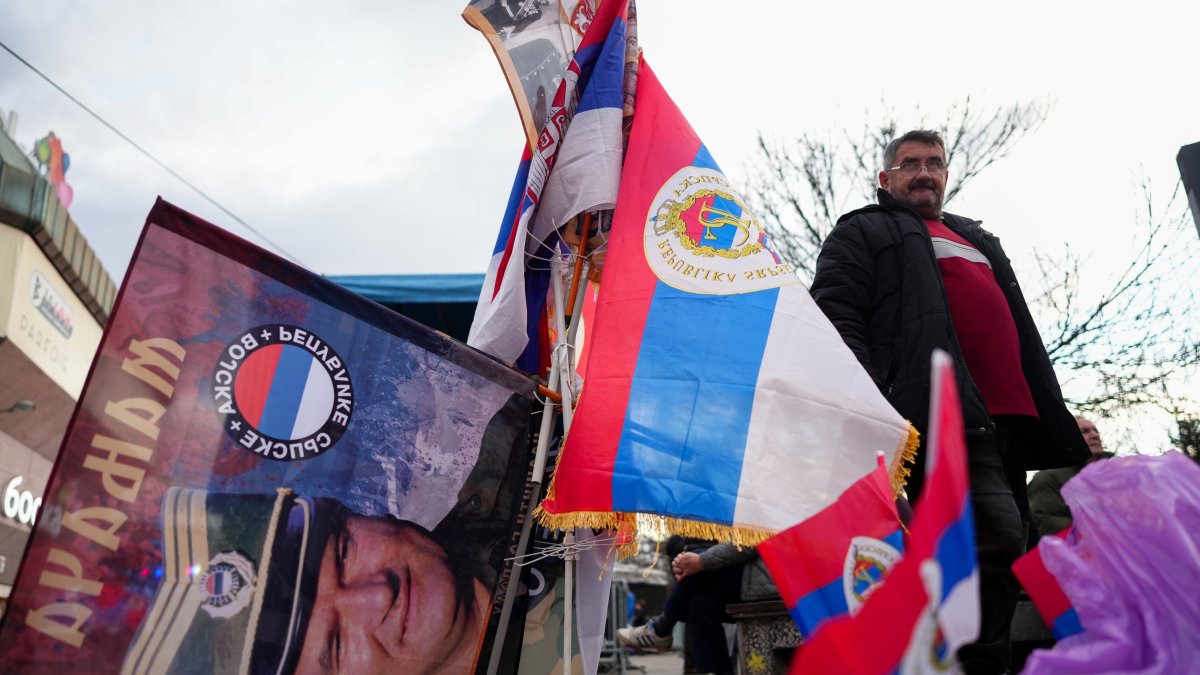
{"x":284,"y":392}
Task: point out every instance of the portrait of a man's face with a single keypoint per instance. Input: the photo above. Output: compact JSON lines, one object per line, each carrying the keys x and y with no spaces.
{"x":388,"y":601}
{"x":294,"y":584}
{"x":290,"y":584}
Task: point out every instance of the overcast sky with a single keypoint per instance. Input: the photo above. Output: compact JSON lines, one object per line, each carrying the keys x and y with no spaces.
{"x":380,"y":137}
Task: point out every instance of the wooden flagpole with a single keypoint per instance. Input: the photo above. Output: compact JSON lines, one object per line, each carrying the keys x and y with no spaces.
{"x":580,"y":262}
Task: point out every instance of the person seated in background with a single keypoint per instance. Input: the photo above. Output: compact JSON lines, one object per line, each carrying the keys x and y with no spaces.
{"x":639,"y":614}
{"x":1047,"y":508}
{"x":708,"y":581}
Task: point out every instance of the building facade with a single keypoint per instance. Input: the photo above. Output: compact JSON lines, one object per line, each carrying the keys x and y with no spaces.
{"x":55,"y":297}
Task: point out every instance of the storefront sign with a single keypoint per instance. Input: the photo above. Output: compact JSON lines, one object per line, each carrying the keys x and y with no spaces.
{"x":41,"y":316}
{"x":20,"y":505}
{"x":50,"y":303}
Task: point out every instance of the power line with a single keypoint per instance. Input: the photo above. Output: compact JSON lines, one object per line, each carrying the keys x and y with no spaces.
{"x":149,"y":156}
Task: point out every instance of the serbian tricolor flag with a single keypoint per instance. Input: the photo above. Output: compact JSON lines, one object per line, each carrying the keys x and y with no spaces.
{"x":509,"y":313}
{"x":284,"y":391}
{"x":928,"y":606}
{"x":1048,"y":596}
{"x":717,"y":394}
{"x":828,"y":565}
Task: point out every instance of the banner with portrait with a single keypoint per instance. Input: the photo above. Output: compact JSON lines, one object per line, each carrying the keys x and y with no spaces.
{"x":269,"y":474}
{"x":534,"y":40}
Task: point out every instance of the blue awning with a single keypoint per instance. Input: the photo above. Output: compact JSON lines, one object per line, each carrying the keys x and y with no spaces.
{"x":390,"y":289}
{"x":444,"y":302}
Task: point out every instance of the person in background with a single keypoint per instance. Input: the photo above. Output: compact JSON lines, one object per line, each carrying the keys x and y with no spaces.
{"x":639,"y":614}
{"x":1046,"y":505}
{"x":708,"y":581}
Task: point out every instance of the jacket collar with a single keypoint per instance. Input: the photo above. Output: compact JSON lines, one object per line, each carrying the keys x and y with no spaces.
{"x":917,"y":223}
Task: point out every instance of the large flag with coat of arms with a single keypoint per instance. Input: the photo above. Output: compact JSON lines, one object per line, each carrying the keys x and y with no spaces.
{"x":717,"y":394}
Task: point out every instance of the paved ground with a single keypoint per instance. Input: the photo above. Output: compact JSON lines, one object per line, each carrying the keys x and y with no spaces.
{"x":670,"y":663}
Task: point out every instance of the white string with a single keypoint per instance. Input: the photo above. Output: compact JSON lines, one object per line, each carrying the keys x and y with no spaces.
{"x":546,"y":248}
{"x":567,"y":383}
{"x":563,"y":550}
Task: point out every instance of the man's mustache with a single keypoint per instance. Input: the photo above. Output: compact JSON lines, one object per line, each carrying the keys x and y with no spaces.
{"x":922,"y":184}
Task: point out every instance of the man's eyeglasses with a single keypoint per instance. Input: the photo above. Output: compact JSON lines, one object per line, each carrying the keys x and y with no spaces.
{"x":911,"y":168}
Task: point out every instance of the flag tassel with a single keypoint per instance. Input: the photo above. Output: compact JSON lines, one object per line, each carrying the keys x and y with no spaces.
{"x":608,"y":520}
{"x":901,"y":467}
{"x":739,"y":536}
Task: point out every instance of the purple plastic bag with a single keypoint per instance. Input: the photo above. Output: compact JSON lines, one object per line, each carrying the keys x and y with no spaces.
{"x":1133,"y":573}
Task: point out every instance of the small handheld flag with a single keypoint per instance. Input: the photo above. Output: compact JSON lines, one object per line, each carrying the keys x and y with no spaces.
{"x":928,"y":606}
{"x":828,"y":565}
{"x":1048,"y":596}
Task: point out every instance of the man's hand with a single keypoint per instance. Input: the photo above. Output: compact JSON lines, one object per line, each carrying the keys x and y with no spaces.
{"x":686,"y":564}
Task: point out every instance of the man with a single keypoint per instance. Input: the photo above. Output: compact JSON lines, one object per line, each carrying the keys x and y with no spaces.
{"x":1049,"y":511}
{"x":288,"y":584}
{"x":708,"y":581}
{"x":901,"y":278}
{"x":387,"y":601}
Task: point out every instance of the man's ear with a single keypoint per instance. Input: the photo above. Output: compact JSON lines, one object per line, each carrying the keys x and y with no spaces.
{"x":883,"y":180}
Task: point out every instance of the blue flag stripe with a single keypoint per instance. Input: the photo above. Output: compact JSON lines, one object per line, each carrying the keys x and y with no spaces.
{"x":1066,"y":624}
{"x":287,"y":388}
{"x":822,"y":604}
{"x":604,"y":86}
{"x":956,"y":551}
{"x":696,"y":409}
{"x":896,"y":540}
{"x":510,"y":210}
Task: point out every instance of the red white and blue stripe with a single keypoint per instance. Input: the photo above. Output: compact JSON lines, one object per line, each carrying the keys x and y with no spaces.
{"x":1047,"y":594}
{"x":946,"y":512}
{"x":284,"y":391}
{"x":737,"y":409}
{"x":824,"y":565}
{"x":582,"y":143}
{"x":929,"y":605}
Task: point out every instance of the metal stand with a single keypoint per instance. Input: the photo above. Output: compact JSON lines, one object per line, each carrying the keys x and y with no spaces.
{"x":614,"y":657}
{"x":561,"y":381}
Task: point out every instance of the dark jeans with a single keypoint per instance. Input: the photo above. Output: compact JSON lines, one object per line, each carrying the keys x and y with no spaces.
{"x":1000,"y":501}
{"x":699,"y":601}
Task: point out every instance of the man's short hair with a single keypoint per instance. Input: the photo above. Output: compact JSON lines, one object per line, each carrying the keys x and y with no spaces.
{"x":925,"y":136}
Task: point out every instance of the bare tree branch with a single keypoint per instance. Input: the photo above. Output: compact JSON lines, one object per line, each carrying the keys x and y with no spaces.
{"x":801,"y":186}
{"x":1124,"y":346}
{"x":1133,"y":339}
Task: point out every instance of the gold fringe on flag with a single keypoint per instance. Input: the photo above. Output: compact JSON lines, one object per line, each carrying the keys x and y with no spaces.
{"x":901,"y":469}
{"x":899,"y":472}
{"x":608,"y":520}
{"x":738,"y":536}
{"x":627,"y":537}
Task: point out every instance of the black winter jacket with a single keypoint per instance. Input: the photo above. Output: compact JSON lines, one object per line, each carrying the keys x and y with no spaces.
{"x":879,"y":282}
